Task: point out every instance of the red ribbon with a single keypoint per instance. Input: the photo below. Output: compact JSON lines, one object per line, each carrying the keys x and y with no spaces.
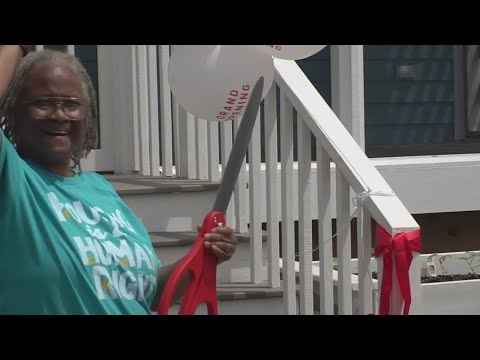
{"x":401,"y":246}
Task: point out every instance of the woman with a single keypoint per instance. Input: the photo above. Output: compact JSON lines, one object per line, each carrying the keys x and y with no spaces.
{"x":68,"y":243}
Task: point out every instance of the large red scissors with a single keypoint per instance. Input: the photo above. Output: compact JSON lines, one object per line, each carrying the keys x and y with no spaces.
{"x":200,"y":263}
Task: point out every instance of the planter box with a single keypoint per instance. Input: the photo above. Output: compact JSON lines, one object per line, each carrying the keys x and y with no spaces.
{"x":452,"y":297}
{"x":441,"y":298}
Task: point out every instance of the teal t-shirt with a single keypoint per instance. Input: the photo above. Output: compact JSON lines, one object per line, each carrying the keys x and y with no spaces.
{"x":69,"y":245}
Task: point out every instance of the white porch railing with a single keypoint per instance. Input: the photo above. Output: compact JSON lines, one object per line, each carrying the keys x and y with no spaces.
{"x":353,"y":171}
{"x":291,"y":191}
{"x":283,"y":192}
{"x":277,"y":193}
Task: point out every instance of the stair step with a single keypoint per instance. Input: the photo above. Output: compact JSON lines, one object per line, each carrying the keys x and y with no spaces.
{"x":138,"y":184}
{"x":237,"y":291}
{"x":187,"y":238}
{"x":244,"y":299}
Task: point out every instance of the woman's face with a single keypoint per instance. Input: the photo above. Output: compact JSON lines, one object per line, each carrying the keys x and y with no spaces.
{"x":50,"y":115}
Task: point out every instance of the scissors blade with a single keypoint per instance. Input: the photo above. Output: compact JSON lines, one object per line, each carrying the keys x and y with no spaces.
{"x":239,"y":149}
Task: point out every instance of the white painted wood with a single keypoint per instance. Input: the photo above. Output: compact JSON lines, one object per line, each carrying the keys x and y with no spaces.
{"x":342,"y":148}
{"x":115,"y":111}
{"x":237,"y":269}
{"x":443,"y":298}
{"x":323,"y":197}
{"x":176,"y":136}
{"x":344,"y":248}
{"x":240,"y":194}
{"x":213,"y":152}
{"x":201,"y":158}
{"x":176,"y":132}
{"x":305,"y":217}
{"x":115,"y":60}
{"x":226,"y":139}
{"x":416,"y":307}
{"x":348,"y":89}
{"x":135,"y":117}
{"x":112,"y":61}
{"x":451,"y":298}
{"x":272,"y":179}
{"x":453,"y":263}
{"x":142,"y":108}
{"x":434,"y":161}
{"x":288,"y":245}
{"x":255,"y":193}
{"x":153,"y":119}
{"x":435,"y":187}
{"x":420,"y":189}
{"x":165,"y":111}
{"x":279,"y":196}
{"x":364,"y":245}
{"x":186,"y":131}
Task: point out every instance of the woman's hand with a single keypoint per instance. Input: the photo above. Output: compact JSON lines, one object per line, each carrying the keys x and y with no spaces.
{"x":222,"y":241}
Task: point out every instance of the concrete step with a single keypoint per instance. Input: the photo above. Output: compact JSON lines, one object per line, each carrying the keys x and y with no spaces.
{"x":244,"y":299}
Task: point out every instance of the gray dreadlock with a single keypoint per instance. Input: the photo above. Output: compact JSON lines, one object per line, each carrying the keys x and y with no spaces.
{"x":11,"y":97}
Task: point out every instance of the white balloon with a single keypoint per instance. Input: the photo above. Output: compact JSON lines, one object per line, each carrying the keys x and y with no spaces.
{"x":291,"y":52}
{"x":214,"y":82}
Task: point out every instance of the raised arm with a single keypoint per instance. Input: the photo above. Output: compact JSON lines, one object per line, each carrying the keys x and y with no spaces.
{"x":10,"y":56}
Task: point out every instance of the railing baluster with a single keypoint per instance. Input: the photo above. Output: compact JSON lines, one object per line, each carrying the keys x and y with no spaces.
{"x":255,"y":192}
{"x":325,"y":254}
{"x":165,"y":111}
{"x":305,"y":217}
{"x":213,"y":152}
{"x":226,"y":138}
{"x":201,"y":148}
{"x":240,"y":195}
{"x":154,"y":141}
{"x":364,"y":244}
{"x":142,"y":108}
{"x":288,"y":236}
{"x":272,"y":182}
{"x":344,"y":247}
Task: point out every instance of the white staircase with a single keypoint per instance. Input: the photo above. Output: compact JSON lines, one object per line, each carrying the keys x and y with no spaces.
{"x":170,"y":209}
{"x":282,"y":189}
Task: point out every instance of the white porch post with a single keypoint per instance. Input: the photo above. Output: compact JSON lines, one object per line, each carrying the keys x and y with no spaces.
{"x":115,"y":63}
{"x":348,"y":89}
{"x":347,"y":103}
{"x":124,"y":109}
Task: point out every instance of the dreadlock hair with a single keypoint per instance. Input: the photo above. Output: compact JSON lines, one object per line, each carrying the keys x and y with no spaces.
{"x":9,"y":101}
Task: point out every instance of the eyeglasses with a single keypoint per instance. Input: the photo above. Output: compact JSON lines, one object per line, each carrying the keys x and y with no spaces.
{"x":43,"y":108}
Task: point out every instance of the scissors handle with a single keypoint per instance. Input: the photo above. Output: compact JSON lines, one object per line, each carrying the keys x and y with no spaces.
{"x":201,"y":265}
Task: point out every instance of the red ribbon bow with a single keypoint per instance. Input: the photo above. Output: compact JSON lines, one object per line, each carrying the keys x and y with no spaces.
{"x":402,"y":245}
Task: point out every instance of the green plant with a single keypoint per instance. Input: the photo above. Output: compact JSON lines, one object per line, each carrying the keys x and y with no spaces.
{"x":470,"y":259}
{"x":441,"y":260}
